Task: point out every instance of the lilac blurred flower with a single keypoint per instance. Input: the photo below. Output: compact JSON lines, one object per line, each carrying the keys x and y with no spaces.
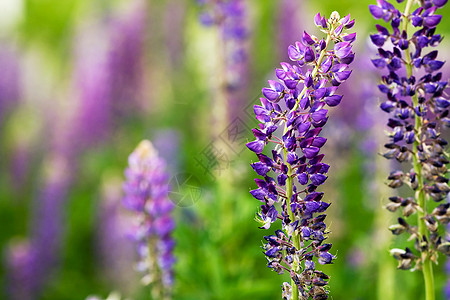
{"x":20,"y":166}
{"x":230,"y":18}
{"x":37,"y":261}
{"x":108,"y":74}
{"x":146,"y":195}
{"x":126,"y":58}
{"x":92,"y":76}
{"x":48,"y":222}
{"x":10,"y":89}
{"x":115,"y":254}
{"x":290,"y":23}
{"x":20,"y":272}
{"x":296,"y":157}
{"x":167,"y":143}
{"x":174,"y":19}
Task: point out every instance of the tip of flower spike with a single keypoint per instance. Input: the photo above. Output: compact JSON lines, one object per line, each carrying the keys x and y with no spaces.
{"x":335,"y":17}
{"x":145,"y":149}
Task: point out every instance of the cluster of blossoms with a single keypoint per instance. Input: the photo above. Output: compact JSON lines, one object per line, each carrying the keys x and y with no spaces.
{"x":230,"y":17}
{"x":146,"y":194}
{"x":306,"y":87}
{"x":418,"y":108}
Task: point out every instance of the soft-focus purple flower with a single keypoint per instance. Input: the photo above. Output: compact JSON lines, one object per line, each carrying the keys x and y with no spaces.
{"x":47,"y":224}
{"x":289,"y":24}
{"x":146,"y":195}
{"x":92,"y":79}
{"x":174,"y":24}
{"x":230,"y":19}
{"x":20,"y":271}
{"x":10,"y":90}
{"x":126,"y":57}
{"x":97,"y":89}
{"x":167,"y":143}
{"x":20,"y":165}
{"x":115,"y":254}
{"x":296,"y":156}
{"x":108,"y":74}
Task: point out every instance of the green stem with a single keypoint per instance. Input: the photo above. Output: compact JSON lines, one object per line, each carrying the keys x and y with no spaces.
{"x":427,"y":267}
{"x":289,"y":192}
{"x":157,"y":290}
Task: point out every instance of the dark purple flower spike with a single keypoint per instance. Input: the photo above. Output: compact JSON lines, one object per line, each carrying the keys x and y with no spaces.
{"x":414,"y":97}
{"x":294,"y":106}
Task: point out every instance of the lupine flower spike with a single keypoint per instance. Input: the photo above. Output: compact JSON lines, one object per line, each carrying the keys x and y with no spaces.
{"x":229,"y":16}
{"x":418,"y":106}
{"x":291,"y":174}
{"x":146,"y":194}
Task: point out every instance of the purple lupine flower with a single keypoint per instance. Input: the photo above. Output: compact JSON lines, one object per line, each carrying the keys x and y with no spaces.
{"x":294,"y":169}
{"x":10,"y":81}
{"x":167,"y":143}
{"x":413,"y":88}
{"x":174,"y":19}
{"x":92,"y":79}
{"x":146,"y":194}
{"x":19,"y":265}
{"x":20,"y":164}
{"x":126,"y":58}
{"x":108,"y":74}
{"x":47,"y":223}
{"x":230,"y":17}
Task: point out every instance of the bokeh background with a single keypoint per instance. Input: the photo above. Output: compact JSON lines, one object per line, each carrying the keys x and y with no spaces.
{"x":82,"y":82}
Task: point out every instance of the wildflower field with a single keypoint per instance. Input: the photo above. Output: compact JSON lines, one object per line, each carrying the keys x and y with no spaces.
{"x":224,"y":149}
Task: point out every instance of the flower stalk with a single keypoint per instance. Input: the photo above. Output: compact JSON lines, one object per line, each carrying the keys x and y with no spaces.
{"x":295,"y":158}
{"x":418,"y":107}
{"x":421,"y":197}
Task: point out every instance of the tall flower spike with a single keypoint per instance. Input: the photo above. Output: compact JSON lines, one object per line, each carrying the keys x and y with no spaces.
{"x":418,"y":106}
{"x":230,"y":19}
{"x":146,"y":194}
{"x":294,"y":169}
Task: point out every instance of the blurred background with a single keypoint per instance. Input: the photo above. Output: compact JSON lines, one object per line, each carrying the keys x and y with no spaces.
{"x":82,"y":82}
